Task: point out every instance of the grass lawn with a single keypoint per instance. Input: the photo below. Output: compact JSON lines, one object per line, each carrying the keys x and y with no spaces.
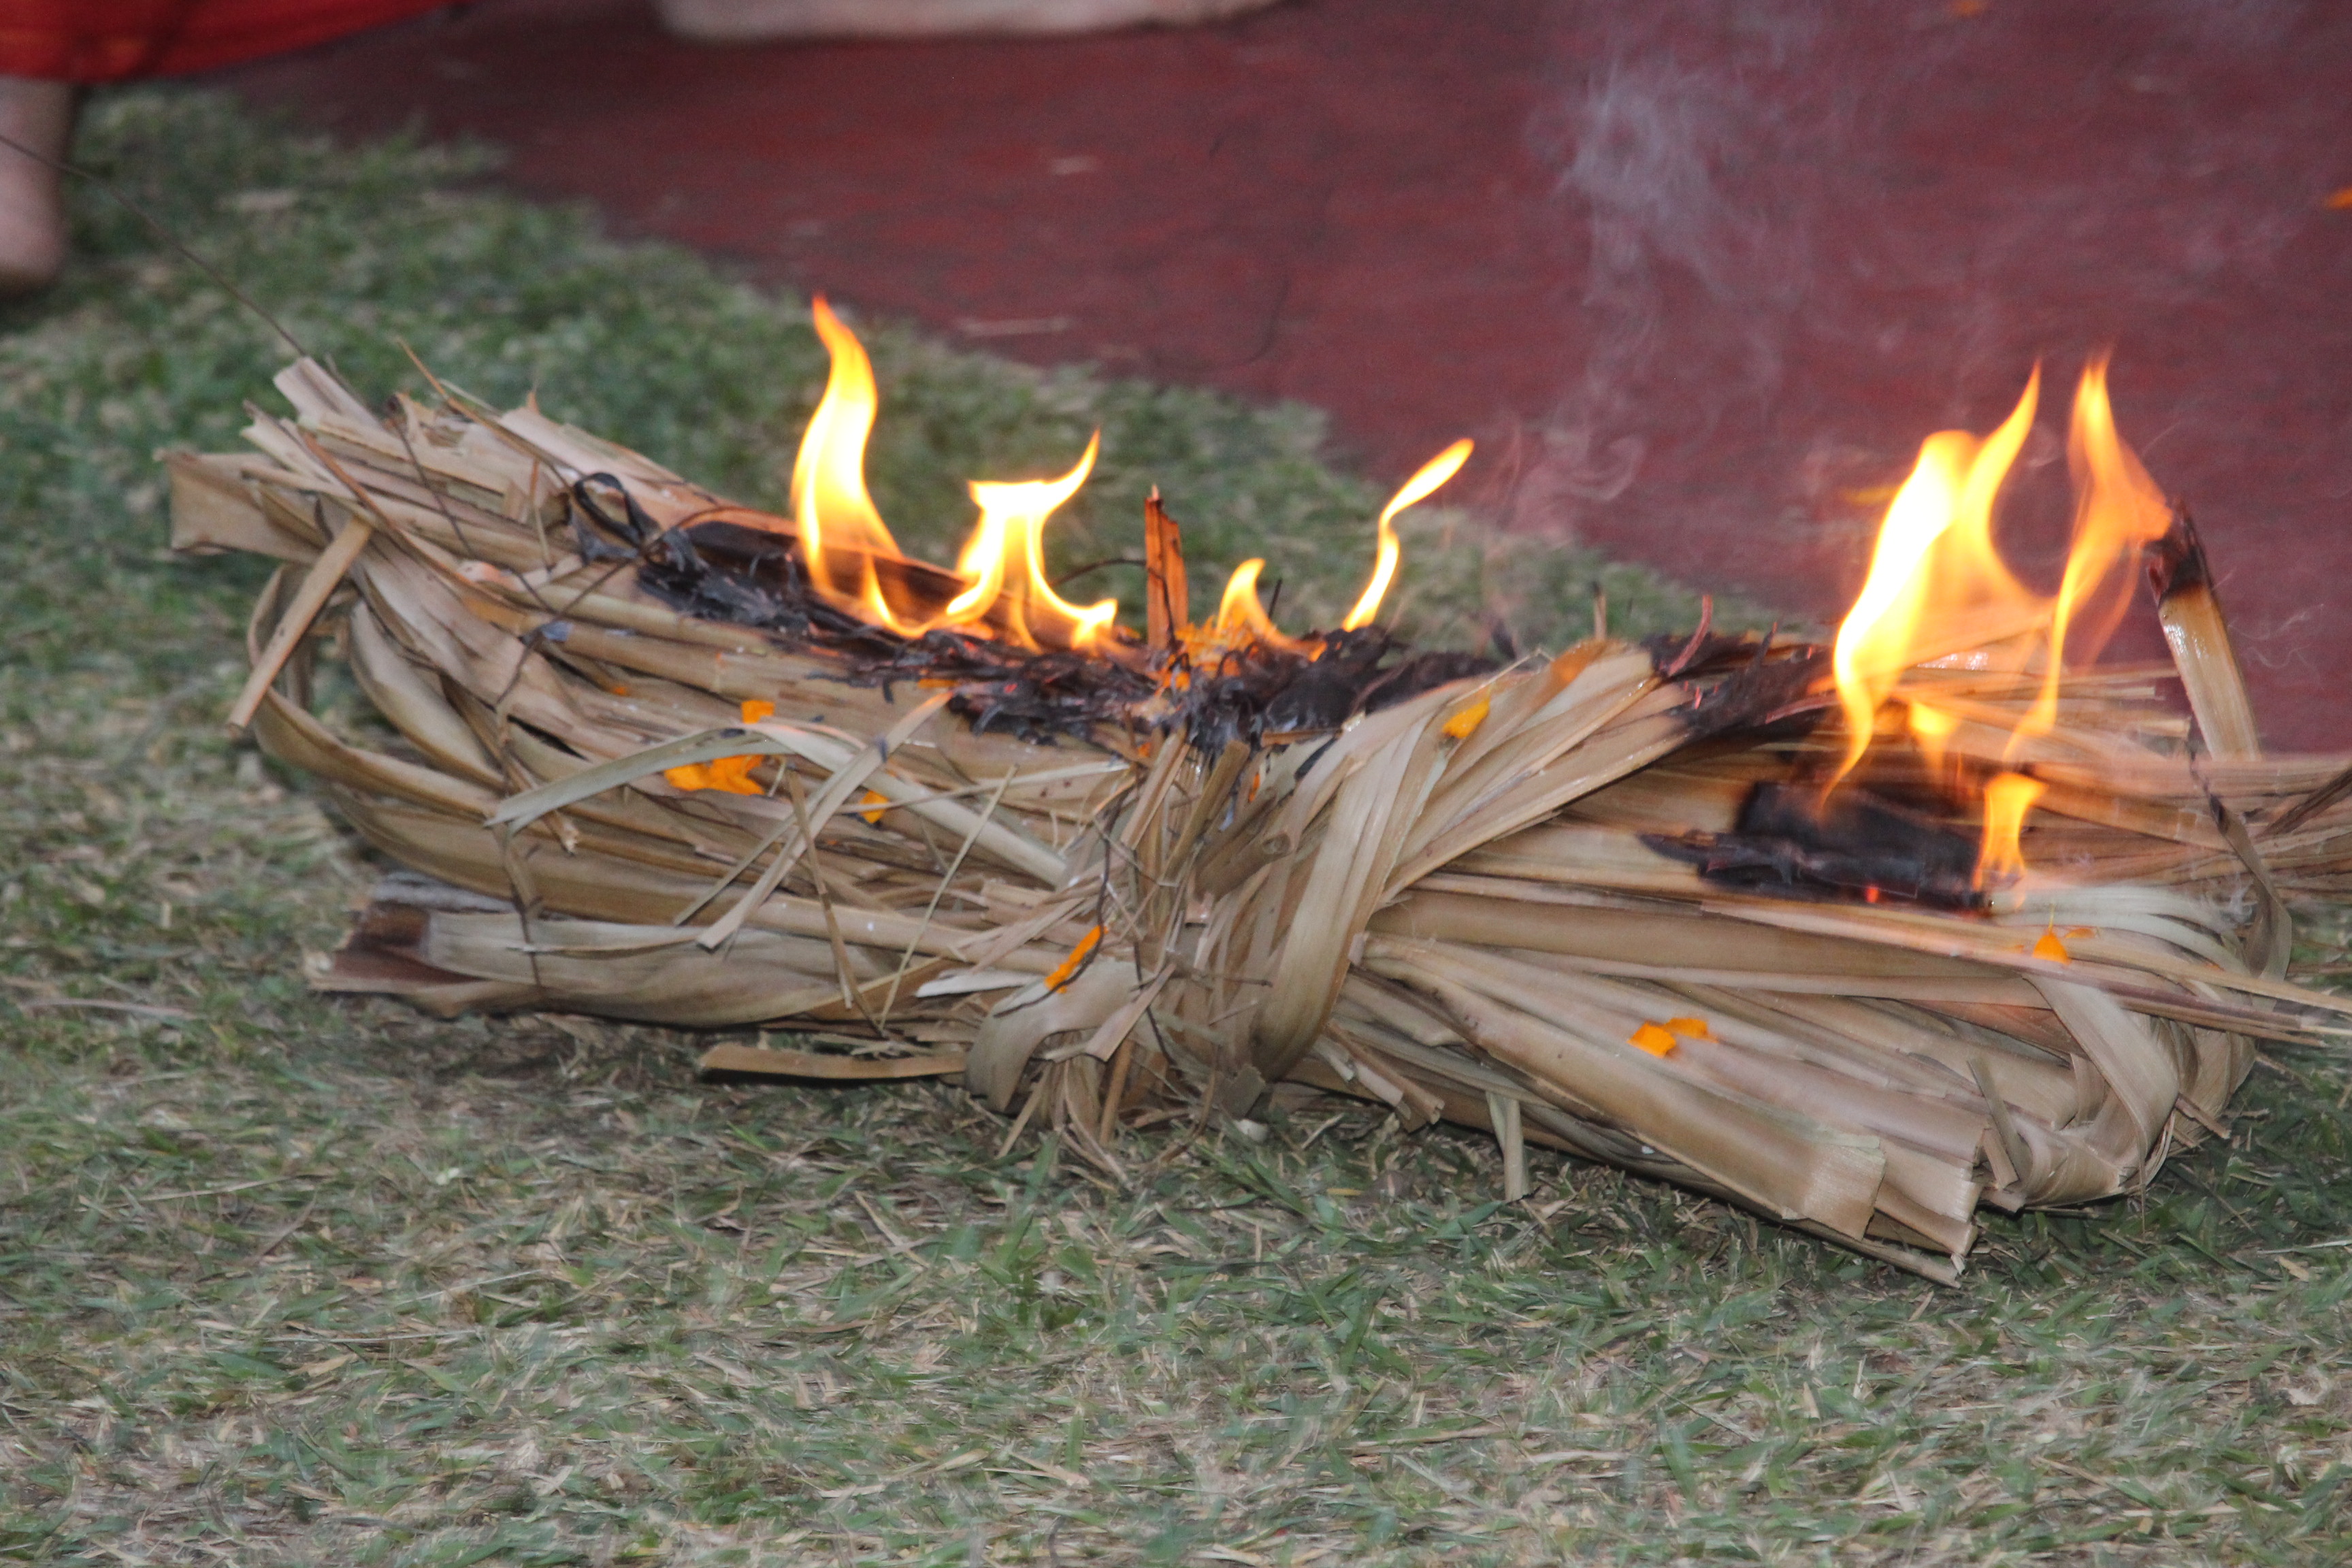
{"x":290,"y":1280}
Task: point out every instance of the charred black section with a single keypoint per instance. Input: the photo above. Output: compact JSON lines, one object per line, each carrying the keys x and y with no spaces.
{"x":743,"y":575}
{"x":1788,"y":838}
{"x":721,"y":571}
{"x":2176,"y":563}
{"x":1039,"y":695}
{"x":1422,"y":672}
{"x":1259,"y":692}
{"x":1749,"y":689}
{"x":1700,"y":655}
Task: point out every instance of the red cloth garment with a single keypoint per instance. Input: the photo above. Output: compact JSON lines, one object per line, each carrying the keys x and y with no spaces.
{"x":109,"y":40}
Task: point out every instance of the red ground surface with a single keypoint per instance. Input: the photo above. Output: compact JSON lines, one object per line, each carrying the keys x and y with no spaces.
{"x":1698,"y":275}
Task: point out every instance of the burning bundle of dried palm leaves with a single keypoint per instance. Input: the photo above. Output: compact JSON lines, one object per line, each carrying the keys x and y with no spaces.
{"x":1857,"y":936}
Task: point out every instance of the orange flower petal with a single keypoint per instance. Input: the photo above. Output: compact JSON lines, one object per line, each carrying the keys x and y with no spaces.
{"x":2047,"y":945}
{"x":754,"y":709}
{"x":1069,"y":966}
{"x":1464,"y":723}
{"x":1653,"y":1040}
{"x":1694,"y":1028}
{"x":733,"y":775}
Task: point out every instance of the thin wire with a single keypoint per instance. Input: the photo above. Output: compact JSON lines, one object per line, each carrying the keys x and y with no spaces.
{"x":164,"y":233}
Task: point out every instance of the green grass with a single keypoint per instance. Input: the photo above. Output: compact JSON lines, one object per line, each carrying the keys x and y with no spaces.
{"x":290,"y":1280}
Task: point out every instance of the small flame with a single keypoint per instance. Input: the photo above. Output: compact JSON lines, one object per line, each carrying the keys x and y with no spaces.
{"x":1242,"y":619}
{"x":841,"y":532}
{"x":1422,"y":484}
{"x":1931,"y":727}
{"x":1006,"y":560}
{"x":2007,"y":798}
{"x":1938,"y":536}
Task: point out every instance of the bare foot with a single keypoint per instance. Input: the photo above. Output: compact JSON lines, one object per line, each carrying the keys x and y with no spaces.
{"x":32,"y":216}
{"x":750,"y":21}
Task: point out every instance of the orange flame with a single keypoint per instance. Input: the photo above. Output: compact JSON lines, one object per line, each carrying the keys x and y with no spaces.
{"x":842,"y":536}
{"x":2007,"y":798}
{"x":841,"y":532}
{"x":1006,"y":560}
{"x":1242,"y":619}
{"x":2118,"y":511}
{"x":1935,"y":573}
{"x":1424,"y":483}
{"x":1936,"y":586}
{"x":1931,"y":727}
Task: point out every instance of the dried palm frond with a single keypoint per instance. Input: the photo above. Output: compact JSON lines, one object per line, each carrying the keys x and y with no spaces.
{"x":1583,"y":901}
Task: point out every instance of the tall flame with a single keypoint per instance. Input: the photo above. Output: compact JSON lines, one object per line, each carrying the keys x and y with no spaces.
{"x":1424,"y":483}
{"x":1935,"y":573}
{"x":1936,"y":586}
{"x":2118,"y":511}
{"x":1006,"y":557}
{"x":841,"y":532}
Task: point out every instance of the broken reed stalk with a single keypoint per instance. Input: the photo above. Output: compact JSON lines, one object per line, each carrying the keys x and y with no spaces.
{"x":1568,"y":902}
{"x":2198,"y":636}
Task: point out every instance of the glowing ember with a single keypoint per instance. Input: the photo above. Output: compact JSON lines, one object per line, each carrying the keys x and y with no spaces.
{"x":1422,"y":484}
{"x":2007,"y":798}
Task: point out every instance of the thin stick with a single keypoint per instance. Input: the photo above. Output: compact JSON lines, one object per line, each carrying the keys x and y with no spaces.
{"x":162,"y":232}
{"x":1114,"y":1090}
{"x":325,"y":573}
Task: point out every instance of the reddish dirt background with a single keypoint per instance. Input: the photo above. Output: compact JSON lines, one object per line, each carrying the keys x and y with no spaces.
{"x":1698,"y":275}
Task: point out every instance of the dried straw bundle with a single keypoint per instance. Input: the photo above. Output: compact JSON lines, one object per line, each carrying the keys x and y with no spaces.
{"x":1502,"y":901}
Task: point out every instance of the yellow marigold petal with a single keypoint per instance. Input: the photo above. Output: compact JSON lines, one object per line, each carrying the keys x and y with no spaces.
{"x":1653,"y":1040}
{"x":879,"y":801}
{"x":2047,"y":945}
{"x":1461,"y":726}
{"x":1695,"y":1028}
{"x":1069,"y":966}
